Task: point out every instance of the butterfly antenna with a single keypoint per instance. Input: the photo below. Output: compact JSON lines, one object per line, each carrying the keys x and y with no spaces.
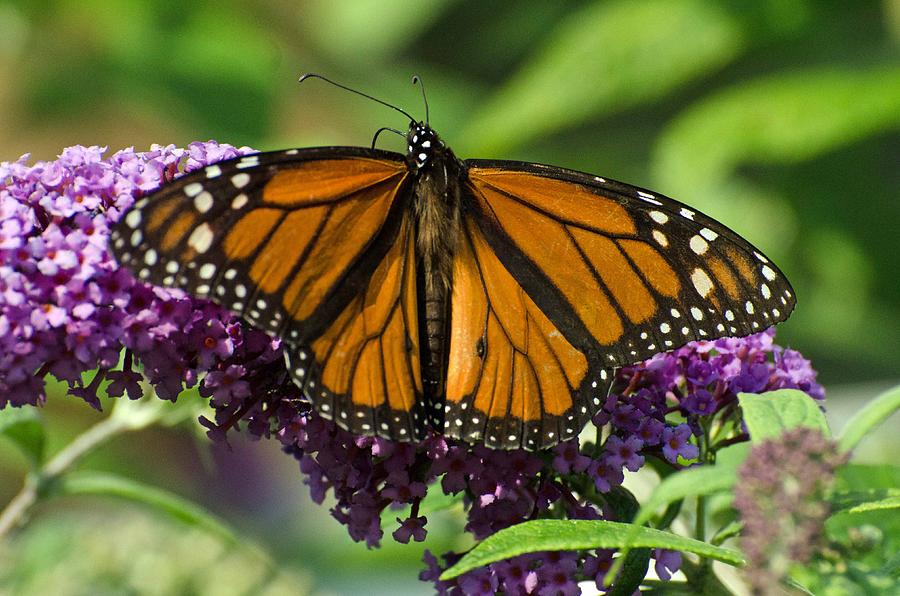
{"x":311,"y":75}
{"x":385,"y":129}
{"x":417,"y":80}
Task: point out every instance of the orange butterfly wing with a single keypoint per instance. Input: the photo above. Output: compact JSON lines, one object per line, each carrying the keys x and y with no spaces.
{"x":513,"y":379}
{"x":313,"y":245}
{"x":592,"y":273}
{"x":642,"y":272}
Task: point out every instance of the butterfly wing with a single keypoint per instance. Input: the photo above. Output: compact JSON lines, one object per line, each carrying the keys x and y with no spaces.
{"x":514,"y":380}
{"x":313,"y":245}
{"x":642,"y":273}
{"x":573,"y":275}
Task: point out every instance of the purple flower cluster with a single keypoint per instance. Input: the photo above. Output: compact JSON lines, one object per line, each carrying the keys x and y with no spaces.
{"x":66,"y":309}
{"x":780,"y":498}
{"x":502,"y":488}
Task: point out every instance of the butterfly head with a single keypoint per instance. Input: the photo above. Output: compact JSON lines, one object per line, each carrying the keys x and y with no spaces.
{"x":422,"y":143}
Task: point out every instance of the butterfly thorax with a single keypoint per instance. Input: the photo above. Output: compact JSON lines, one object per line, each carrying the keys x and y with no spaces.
{"x":436,"y":207}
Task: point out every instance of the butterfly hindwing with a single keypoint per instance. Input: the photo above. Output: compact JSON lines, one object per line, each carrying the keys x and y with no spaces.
{"x":363,"y":369}
{"x":307,"y":244}
{"x":640,"y":272}
{"x":513,"y":379}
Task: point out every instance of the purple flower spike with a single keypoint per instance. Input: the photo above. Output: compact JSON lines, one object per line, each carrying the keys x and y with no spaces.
{"x":480,"y":582}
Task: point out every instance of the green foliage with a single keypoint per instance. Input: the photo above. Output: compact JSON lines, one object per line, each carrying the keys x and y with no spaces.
{"x":115,"y":549}
{"x":162,"y":501}
{"x":768,"y":415}
{"x":24,"y":428}
{"x":576,"y":72}
{"x":548,"y":534}
{"x":867,"y":419}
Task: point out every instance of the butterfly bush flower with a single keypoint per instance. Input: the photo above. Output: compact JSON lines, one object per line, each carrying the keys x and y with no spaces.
{"x":781,"y":500}
{"x":67,"y":309}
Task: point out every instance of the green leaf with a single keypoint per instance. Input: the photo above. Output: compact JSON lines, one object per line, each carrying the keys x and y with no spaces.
{"x":880,"y":505}
{"x":179,"y":508}
{"x":634,"y":569}
{"x":854,"y":499}
{"x":731,"y":530}
{"x":770,"y":414}
{"x":551,"y":534}
{"x":784,"y":118}
{"x":24,"y":427}
{"x":864,"y":477}
{"x":606,"y":57}
{"x":355,"y":19}
{"x":700,"y":480}
{"x":871,"y":415}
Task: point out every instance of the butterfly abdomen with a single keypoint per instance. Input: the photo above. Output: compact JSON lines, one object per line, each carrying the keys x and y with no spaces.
{"x":437,"y":215}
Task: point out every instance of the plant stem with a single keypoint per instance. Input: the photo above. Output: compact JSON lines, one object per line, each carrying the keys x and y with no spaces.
{"x":36,"y":482}
{"x":700,"y":525}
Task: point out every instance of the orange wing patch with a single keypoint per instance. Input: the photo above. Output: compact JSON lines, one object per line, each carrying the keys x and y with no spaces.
{"x":513,"y":379}
{"x":364,"y":371}
{"x":559,"y":255}
{"x":325,"y":180}
{"x":561,"y":200}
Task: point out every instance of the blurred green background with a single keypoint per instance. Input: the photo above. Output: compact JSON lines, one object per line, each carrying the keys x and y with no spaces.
{"x":778,"y":117}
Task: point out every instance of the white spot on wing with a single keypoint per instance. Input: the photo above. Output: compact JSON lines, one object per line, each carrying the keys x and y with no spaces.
{"x":698,"y":245}
{"x":193,"y":189}
{"x":768,"y":273}
{"x":708,"y":234}
{"x":648,"y":198}
{"x":201,"y":238}
{"x":240,"y":180}
{"x":659,"y":217}
{"x":702,"y":283}
{"x":686,"y":213}
{"x":213,"y":171}
{"x":248,"y":162}
{"x":133,"y":219}
{"x":660,"y":238}
{"x":203,"y":202}
{"x":239,"y":201}
{"x":207,"y":270}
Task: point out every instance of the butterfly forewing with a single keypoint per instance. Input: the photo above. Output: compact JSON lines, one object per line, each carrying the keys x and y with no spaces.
{"x":312,"y":245}
{"x":641,"y":273}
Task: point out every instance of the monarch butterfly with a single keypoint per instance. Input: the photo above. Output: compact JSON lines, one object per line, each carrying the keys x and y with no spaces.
{"x":491,"y":300}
